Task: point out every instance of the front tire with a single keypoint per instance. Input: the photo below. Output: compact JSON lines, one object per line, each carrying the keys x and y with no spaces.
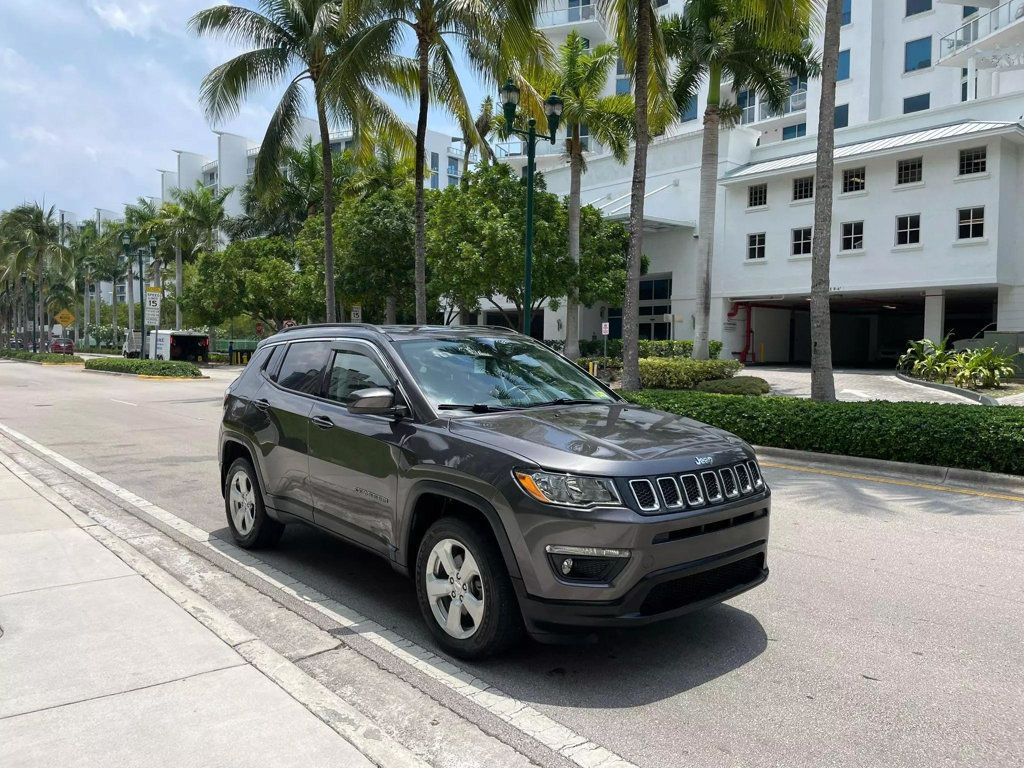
{"x":464,"y":590}
{"x":251,"y":526}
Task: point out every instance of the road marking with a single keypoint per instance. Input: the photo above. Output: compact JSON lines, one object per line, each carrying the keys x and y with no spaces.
{"x":894,"y":481}
{"x":124,"y":402}
{"x":519,"y":715}
{"x":856,"y":393}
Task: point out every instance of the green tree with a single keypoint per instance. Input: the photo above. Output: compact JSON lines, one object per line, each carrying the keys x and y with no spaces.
{"x":716,"y":40}
{"x":498,"y":39}
{"x":485,"y":124}
{"x":642,"y":49}
{"x":580,"y":80}
{"x":83,"y":243}
{"x":311,"y":41}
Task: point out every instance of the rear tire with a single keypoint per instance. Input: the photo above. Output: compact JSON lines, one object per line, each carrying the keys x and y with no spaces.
{"x":251,"y":526}
{"x":487,"y":620}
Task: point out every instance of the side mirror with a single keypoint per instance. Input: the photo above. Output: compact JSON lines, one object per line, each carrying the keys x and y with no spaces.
{"x":376,"y":401}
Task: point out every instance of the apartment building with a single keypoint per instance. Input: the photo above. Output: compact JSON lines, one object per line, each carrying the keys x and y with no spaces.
{"x":929,"y":170}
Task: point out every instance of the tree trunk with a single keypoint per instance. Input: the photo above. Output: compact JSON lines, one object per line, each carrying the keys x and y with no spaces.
{"x":129,"y":296}
{"x":99,"y":307}
{"x":572,"y":300}
{"x":706,"y":215}
{"x":823,"y":385}
{"x":421,"y":211}
{"x":391,"y":309}
{"x":113,"y":311}
{"x":39,"y":307}
{"x":86,"y":304}
{"x":630,"y":304}
{"x":328,"y":161}
{"x":178,"y":278}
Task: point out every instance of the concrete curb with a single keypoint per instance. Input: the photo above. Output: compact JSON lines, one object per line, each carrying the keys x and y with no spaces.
{"x":147,"y":377}
{"x":973,"y":479}
{"x":39,"y":362}
{"x":970,"y":395}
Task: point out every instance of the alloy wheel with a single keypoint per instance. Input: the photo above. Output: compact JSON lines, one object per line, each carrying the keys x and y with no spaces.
{"x":455,"y":589}
{"x":242,"y":501}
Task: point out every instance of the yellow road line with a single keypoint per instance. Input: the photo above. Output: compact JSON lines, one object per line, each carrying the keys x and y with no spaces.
{"x":893,"y":481}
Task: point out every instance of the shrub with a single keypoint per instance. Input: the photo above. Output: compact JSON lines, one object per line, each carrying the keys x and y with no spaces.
{"x":144,"y":367}
{"x":970,"y":368}
{"x":682,"y":373}
{"x":647,"y":348}
{"x":40,"y":357}
{"x":971,"y":437}
{"x":595,"y":347}
{"x":740,"y":385}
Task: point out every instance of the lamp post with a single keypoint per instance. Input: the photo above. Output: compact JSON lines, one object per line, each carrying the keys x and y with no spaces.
{"x":553,"y":110}
{"x":142,"y":308}
{"x":156,"y":327}
{"x":126,"y":242}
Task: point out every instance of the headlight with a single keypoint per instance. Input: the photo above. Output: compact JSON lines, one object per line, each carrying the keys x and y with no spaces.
{"x":568,"y":490}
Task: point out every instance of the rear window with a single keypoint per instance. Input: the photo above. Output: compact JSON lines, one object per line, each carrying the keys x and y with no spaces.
{"x":255,"y":364}
{"x":303,"y":366}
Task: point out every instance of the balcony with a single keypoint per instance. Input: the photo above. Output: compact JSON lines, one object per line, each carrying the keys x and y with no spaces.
{"x":994,"y":39}
{"x":558,"y":13}
{"x":755,"y":113}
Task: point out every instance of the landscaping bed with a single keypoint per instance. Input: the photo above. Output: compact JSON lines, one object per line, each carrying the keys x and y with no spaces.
{"x":945,"y":435}
{"x":48,"y":358}
{"x":167,"y":368}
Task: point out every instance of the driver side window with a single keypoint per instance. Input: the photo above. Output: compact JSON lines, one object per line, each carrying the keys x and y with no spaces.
{"x":352,"y":371}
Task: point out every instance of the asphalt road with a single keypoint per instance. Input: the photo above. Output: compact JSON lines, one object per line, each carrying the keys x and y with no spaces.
{"x":889,"y":634}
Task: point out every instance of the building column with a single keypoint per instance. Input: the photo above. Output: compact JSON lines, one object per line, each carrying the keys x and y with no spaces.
{"x":972,"y":79}
{"x":934,"y":315}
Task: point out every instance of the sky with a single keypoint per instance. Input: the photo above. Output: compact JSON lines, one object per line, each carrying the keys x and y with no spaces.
{"x":96,"y":94}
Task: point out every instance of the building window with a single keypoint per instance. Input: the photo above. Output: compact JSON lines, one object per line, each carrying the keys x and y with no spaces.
{"x":910,"y":171}
{"x":794,"y":131}
{"x":970,"y":223}
{"x":755,"y":246}
{"x":915,"y":7}
{"x":802,"y":241}
{"x":747,"y":102}
{"x":908,"y":229}
{"x":655,"y":303}
{"x":435,"y":168}
{"x":970,"y":10}
{"x":917,"y":54}
{"x":803,"y":188}
{"x":853,"y":236}
{"x":854,"y":180}
{"x":757,"y":195}
{"x":843,"y":68}
{"x":622,"y":85}
{"x":842,"y":115}
{"x":690,"y":112}
{"x":917,"y":103}
{"x":847,"y":12}
{"x":973,"y":161}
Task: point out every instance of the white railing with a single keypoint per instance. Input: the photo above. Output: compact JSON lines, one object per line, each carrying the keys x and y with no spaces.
{"x":752,"y":113}
{"x":981,"y":26}
{"x":563,"y":12}
{"x":210,"y":166}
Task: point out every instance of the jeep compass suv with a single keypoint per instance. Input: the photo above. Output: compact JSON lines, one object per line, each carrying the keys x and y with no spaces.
{"x":516,"y":490}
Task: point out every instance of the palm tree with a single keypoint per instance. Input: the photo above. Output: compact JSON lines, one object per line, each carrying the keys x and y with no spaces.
{"x":498,"y":39}
{"x":314,"y":37}
{"x":485,"y":123}
{"x":83,"y":244}
{"x":642,"y":50}
{"x":715,"y":40}
{"x":580,"y":78}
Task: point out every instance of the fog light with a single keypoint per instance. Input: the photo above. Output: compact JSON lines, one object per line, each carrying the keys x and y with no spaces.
{"x":567,"y":566}
{"x":594,"y":565}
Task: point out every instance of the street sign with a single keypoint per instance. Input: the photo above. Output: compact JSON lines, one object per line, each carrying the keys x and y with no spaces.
{"x":154,"y":296}
{"x":357,"y":313}
{"x":65,"y":318}
{"x":604,"y":329}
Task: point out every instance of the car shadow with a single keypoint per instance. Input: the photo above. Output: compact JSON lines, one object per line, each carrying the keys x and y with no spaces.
{"x":623,"y":668}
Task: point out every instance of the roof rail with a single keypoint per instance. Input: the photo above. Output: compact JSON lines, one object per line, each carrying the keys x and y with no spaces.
{"x":369,"y":326}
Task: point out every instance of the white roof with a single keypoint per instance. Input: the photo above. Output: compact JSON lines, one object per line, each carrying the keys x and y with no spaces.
{"x":877,"y":145}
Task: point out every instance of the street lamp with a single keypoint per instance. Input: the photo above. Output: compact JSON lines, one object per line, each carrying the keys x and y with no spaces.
{"x":509,"y":95}
{"x":126,"y":242}
{"x":156,"y":326}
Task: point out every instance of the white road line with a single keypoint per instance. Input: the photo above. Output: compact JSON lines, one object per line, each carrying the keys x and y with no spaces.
{"x":124,"y":402}
{"x":856,"y":393}
{"x":517,"y":714}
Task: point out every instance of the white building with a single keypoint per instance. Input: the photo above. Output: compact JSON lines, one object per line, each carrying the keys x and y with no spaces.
{"x":929,"y":171}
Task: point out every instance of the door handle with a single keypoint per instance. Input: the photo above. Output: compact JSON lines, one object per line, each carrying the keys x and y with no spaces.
{"x":261,"y":405}
{"x":322,"y":422}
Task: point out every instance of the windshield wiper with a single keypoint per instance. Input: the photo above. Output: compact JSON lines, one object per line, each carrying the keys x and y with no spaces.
{"x":475,"y":407}
{"x":568,"y":401}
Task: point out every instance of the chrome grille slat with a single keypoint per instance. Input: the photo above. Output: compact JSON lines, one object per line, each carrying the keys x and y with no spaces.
{"x":743,"y":475}
{"x":692,"y":491}
{"x":670,"y":492}
{"x":729,"y":482}
{"x":643,"y":492}
{"x":755,"y":475}
{"x":712,"y":487}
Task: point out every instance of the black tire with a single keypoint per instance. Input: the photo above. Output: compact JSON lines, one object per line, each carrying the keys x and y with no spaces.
{"x":501,"y":625}
{"x":258,"y":529}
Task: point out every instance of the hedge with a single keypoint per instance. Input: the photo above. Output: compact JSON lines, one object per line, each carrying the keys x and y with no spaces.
{"x":945,"y":435}
{"x":680,"y":348}
{"x":739,"y":385}
{"x":40,"y":357}
{"x":683,"y":373}
{"x":144,"y":367}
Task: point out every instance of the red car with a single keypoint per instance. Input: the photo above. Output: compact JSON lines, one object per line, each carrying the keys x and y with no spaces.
{"x":62,"y":346}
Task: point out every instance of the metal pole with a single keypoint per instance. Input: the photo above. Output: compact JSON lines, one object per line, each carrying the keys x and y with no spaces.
{"x":142,"y":310}
{"x":531,"y":149}
{"x":35,"y":318}
{"x":156,"y":328}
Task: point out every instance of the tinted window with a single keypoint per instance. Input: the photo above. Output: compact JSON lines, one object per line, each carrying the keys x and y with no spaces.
{"x":917,"y":54}
{"x":256,"y":363}
{"x":842,"y":115}
{"x":352,"y":371}
{"x":303,"y":366}
{"x":917,"y":103}
{"x":843,"y":66}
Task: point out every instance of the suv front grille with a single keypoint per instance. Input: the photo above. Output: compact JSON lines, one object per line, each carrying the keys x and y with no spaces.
{"x":709,"y":487}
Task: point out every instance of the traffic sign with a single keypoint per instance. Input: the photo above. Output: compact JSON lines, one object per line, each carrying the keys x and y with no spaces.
{"x":604,"y":329}
{"x":65,"y":318}
{"x":357,"y":313}
{"x":154,"y":296}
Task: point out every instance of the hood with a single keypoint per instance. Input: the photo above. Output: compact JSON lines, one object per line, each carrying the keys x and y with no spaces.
{"x":604,"y":438}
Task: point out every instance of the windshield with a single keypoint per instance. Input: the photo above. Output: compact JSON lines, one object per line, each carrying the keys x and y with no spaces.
{"x":495,"y":371}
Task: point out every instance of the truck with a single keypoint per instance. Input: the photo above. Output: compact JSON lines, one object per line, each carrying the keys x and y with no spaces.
{"x":178,"y":345}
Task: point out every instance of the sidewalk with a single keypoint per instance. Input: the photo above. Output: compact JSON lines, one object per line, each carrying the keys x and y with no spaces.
{"x":98,"y":667}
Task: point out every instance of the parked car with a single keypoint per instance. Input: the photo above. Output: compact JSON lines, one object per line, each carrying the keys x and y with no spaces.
{"x":517,"y":491}
{"x":62,"y":346}
{"x":15,"y":343}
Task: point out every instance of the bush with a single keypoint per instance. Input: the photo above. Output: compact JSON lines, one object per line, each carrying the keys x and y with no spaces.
{"x":646,"y":348}
{"x":989,"y":439}
{"x":970,"y":368}
{"x":683,"y":373}
{"x":144,"y":367}
{"x":740,"y":385}
{"x":40,"y":357}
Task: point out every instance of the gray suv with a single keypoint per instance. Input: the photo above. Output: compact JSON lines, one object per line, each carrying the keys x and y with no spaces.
{"x":516,"y":490}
